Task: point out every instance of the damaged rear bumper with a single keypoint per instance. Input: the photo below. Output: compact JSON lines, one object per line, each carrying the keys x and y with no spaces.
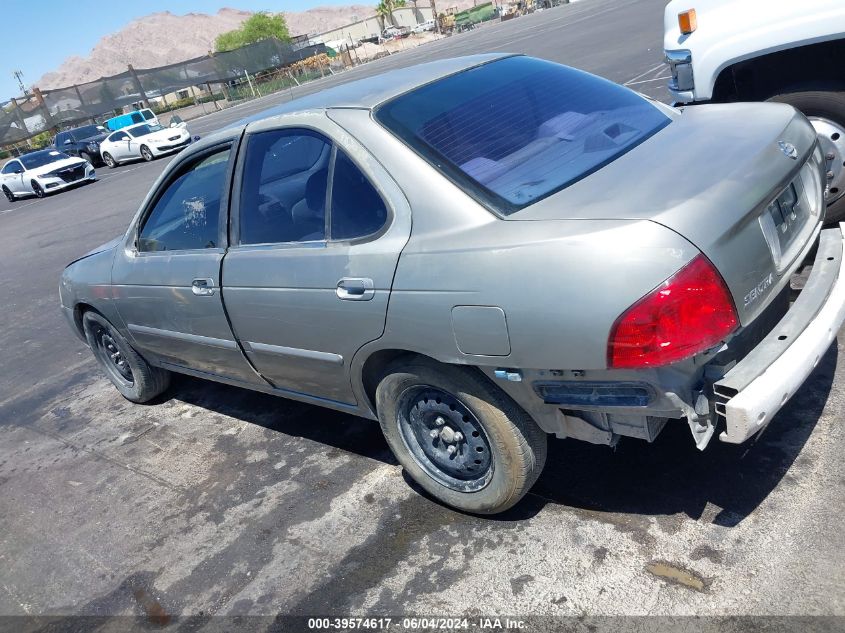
{"x":754,"y":390}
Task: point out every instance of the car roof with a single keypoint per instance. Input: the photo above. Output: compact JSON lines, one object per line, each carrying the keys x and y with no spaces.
{"x":366,"y":93}
{"x":370,"y":92}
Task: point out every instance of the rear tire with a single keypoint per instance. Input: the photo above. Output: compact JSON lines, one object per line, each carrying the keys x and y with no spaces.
{"x":134,"y":378}
{"x":427,"y":409}
{"x":826,"y":111}
{"x":146,"y":154}
{"x":9,"y":195}
{"x":109,"y":160}
{"x":86,"y":156}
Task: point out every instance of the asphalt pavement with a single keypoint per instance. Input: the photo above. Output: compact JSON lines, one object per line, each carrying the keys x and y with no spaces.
{"x":220,"y":501}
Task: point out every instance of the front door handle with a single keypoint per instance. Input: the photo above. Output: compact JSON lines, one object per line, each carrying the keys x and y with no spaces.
{"x":355,"y":289}
{"x":203,"y":287}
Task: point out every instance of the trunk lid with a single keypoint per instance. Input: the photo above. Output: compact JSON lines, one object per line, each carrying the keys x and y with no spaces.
{"x":713,"y":176}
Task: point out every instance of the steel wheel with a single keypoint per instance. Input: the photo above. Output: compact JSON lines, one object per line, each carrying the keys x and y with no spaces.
{"x":146,"y":154}
{"x":445,"y":438}
{"x":9,"y":195}
{"x":832,"y":141}
{"x":111,"y":357}
{"x":36,"y":188}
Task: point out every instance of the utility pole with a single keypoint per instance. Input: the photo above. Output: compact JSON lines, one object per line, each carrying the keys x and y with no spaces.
{"x":17,"y":74}
{"x":434,"y":17}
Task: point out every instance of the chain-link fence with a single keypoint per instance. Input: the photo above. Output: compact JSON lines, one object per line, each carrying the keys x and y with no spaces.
{"x":24,"y":117}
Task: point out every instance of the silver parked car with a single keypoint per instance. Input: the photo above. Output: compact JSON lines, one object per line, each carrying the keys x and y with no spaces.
{"x":479,"y":252}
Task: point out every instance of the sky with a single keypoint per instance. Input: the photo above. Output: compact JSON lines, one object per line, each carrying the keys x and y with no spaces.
{"x":51,"y":30}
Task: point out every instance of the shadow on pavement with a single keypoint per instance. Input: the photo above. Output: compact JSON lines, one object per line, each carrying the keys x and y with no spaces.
{"x":668,"y":477}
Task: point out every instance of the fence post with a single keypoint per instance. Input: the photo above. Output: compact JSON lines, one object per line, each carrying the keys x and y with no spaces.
{"x":194,"y":95}
{"x":139,"y":86}
{"x":211,"y":92}
{"x":249,"y":81}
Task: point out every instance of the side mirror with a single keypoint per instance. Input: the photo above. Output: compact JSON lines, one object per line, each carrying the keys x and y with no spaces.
{"x":68,"y":142}
{"x":18,"y":170}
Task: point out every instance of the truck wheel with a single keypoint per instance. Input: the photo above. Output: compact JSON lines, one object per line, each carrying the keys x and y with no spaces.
{"x":459,"y":437}
{"x":826,"y":111}
{"x":134,"y":378}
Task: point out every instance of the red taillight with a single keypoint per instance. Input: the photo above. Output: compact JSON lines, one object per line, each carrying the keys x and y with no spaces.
{"x":686,"y":314}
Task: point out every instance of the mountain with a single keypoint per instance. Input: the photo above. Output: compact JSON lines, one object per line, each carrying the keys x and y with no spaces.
{"x":163,"y":38}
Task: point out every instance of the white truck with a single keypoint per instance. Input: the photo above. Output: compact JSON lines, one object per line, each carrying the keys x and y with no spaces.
{"x":792,"y":51}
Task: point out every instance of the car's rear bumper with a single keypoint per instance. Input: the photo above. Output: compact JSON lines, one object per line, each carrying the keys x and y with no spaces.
{"x":753,"y":391}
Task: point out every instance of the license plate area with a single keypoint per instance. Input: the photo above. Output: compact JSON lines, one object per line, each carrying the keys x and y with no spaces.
{"x":785,"y":224}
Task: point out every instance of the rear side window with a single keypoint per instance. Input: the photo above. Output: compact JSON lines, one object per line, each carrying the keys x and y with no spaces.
{"x":356,"y":207}
{"x":283,"y":197}
{"x":519,"y":129}
{"x":186,"y":216}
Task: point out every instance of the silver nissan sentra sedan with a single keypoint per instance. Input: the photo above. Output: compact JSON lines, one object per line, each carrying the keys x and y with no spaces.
{"x":480,"y":252}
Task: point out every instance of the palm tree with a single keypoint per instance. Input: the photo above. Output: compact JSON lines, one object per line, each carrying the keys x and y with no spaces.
{"x":386,"y":8}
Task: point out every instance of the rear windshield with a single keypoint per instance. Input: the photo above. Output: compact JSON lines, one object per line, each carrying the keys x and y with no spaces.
{"x":519,"y":129}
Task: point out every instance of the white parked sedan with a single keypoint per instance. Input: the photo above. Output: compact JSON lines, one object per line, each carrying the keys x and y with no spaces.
{"x":143,"y":141}
{"x":40,"y":173}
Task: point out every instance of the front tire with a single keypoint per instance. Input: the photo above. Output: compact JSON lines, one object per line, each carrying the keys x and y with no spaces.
{"x":37,"y":189}
{"x":826,"y":111}
{"x":86,"y":156}
{"x":109,"y":160}
{"x":146,"y":154}
{"x":134,"y":378}
{"x":460,"y":438}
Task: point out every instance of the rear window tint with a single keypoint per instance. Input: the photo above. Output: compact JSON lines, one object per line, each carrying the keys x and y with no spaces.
{"x":519,"y":129}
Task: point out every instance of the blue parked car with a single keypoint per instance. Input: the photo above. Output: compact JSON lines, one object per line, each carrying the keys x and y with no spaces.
{"x":132,"y":118}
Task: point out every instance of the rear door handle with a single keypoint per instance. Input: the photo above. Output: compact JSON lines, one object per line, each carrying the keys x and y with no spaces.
{"x":355,"y":289}
{"x":203,"y":287}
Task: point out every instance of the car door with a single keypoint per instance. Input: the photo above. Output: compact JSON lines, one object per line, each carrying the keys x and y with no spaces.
{"x":317,"y":229}
{"x":119,"y":145}
{"x":134,"y":139}
{"x":12,"y":176}
{"x":166,"y":279}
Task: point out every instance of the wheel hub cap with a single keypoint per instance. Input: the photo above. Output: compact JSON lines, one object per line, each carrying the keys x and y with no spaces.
{"x":445,"y":438}
{"x":832,"y":142}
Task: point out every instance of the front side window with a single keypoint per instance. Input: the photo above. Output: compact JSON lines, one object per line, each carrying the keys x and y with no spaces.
{"x":118,"y":136}
{"x":357,"y":209}
{"x":61,"y":137}
{"x":283,"y":196}
{"x":186,"y":216}
{"x":13,"y":167}
{"x":518,"y":129}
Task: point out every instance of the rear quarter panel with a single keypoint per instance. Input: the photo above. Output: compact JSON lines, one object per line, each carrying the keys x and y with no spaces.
{"x":560,"y":283}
